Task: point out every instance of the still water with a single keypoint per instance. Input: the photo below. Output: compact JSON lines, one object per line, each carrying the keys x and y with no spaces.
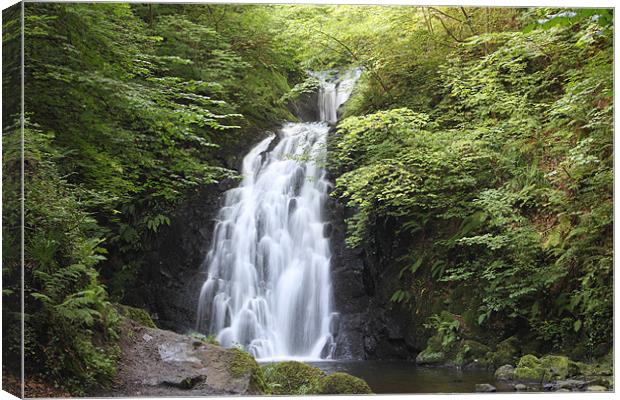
{"x":386,"y":377}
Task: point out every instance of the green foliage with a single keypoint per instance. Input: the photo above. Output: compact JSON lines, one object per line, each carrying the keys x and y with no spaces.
{"x":70,"y":324}
{"x":138,"y":315}
{"x":500,"y":195}
{"x":129,"y":113}
{"x":446,"y":327}
{"x":308,"y":85}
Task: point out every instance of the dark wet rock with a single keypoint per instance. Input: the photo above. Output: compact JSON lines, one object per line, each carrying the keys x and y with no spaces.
{"x":485,"y":388}
{"x":305,"y":106}
{"x":570,"y":384}
{"x":168,"y":285}
{"x":371,"y":327}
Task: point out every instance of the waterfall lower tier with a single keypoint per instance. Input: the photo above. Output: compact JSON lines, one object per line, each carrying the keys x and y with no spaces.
{"x":268,"y":286}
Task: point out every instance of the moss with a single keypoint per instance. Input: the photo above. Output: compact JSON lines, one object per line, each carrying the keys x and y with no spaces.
{"x":292,"y":378}
{"x":137,"y":315}
{"x":506,"y":351}
{"x":472,"y":353}
{"x":528,"y":361}
{"x":559,"y":367}
{"x":242,"y":365}
{"x":341,"y":383}
{"x":529,"y":368}
{"x":429,"y":357}
{"x":530,"y":374}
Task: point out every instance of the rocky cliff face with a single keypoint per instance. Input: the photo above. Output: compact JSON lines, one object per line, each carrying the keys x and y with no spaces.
{"x":369,"y":326}
{"x":171,"y":278}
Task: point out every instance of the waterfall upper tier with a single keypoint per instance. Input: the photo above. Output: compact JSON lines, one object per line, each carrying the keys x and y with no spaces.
{"x":268,"y":285}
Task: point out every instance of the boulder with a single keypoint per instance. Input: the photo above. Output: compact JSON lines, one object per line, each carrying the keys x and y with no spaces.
{"x":292,"y":378}
{"x":569,"y":384}
{"x":529,"y":369}
{"x":155,"y":362}
{"x":472,"y":353}
{"x":505,"y":373}
{"x":506,"y":352}
{"x":341,"y":383}
{"x":485,"y":387}
{"x":559,"y":367}
{"x":430,"y":357}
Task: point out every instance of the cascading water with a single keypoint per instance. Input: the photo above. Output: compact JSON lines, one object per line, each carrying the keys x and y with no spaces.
{"x":268,"y":285}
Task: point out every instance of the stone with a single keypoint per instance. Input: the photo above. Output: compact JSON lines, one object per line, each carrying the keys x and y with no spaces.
{"x":472,"y":353}
{"x":170,"y":364}
{"x":528,"y":361}
{"x":506,"y":352}
{"x":570,"y":384}
{"x":430,"y":357}
{"x":519,"y":387}
{"x":485,"y":388}
{"x":596,"y":388}
{"x":559,"y":367}
{"x":529,"y":369}
{"x":528,"y":374}
{"x":292,"y":378}
{"x":342,"y":383}
{"x":505,"y":373}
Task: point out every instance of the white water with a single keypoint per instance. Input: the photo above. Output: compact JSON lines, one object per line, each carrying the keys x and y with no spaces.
{"x":268,"y":285}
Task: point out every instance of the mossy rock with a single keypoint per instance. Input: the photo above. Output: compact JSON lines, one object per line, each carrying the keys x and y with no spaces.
{"x":559,"y":367}
{"x":505,"y":373}
{"x":530,"y":374}
{"x":341,"y":383}
{"x":243,"y":365}
{"x":430,"y":357}
{"x":528,"y":361}
{"x":472,"y":353}
{"x":137,"y":315}
{"x":292,"y":378}
{"x":529,"y":368}
{"x":506,"y":352}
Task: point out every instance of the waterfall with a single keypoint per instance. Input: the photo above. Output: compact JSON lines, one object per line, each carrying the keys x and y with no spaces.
{"x":268,"y":286}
